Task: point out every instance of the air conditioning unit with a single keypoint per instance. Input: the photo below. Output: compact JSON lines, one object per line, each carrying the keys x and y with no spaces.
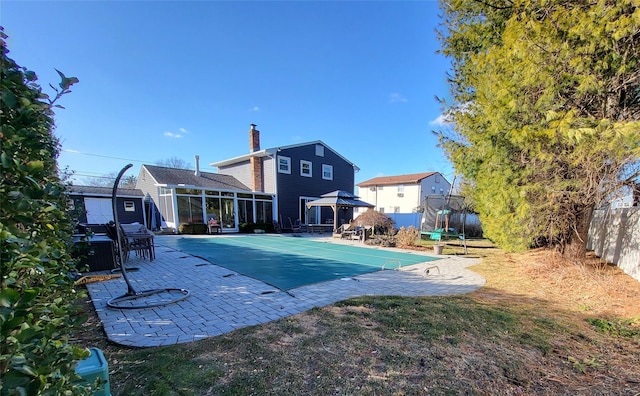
{"x":401,"y":195}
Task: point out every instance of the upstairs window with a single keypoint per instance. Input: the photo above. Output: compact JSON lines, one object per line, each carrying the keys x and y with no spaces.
{"x":327,"y":172}
{"x":319,"y":150}
{"x":305,"y":168}
{"x":284,"y":165}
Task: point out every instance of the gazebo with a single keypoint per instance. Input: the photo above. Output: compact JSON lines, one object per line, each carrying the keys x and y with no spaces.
{"x":336,"y":200}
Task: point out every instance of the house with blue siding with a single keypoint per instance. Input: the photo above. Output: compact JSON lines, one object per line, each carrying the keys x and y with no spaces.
{"x":294,"y":175}
{"x":263,"y":186}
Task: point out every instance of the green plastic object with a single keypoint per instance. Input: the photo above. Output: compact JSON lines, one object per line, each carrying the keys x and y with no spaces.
{"x":93,"y":367}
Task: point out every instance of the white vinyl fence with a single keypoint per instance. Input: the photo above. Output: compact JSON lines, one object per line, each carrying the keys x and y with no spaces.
{"x":614,"y":236}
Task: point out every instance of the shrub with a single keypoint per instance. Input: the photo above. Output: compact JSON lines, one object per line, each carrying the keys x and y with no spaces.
{"x":249,"y":228}
{"x":381,"y":223}
{"x":37,"y":298}
{"x":381,"y":240}
{"x":407,"y":236}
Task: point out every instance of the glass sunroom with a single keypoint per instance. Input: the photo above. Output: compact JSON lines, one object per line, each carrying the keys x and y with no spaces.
{"x":181,"y":205}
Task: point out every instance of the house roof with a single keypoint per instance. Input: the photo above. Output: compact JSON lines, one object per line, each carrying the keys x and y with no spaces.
{"x":187,"y":178}
{"x":273,"y":151}
{"x":413,"y":178}
{"x":104,"y":191}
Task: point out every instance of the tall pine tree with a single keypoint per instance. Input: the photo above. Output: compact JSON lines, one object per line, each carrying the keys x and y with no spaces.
{"x":546,"y":108}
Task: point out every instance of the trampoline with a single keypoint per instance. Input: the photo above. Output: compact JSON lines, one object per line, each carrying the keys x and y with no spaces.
{"x":288,"y":263}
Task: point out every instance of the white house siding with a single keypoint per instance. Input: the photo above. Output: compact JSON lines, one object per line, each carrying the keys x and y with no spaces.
{"x":268,"y":171}
{"x":387,"y":197}
{"x":241,"y":171}
{"x":434,"y":184}
{"x":391,"y":203}
{"x":366,"y":196}
{"x":392,"y":199}
{"x":147,"y":184}
{"x":401,"y":203}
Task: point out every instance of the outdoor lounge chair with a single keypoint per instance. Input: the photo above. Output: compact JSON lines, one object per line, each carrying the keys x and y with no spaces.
{"x":295,"y":227}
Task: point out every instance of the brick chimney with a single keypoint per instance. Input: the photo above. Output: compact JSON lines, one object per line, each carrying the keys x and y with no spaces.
{"x":255,"y":162}
{"x":254,"y":139}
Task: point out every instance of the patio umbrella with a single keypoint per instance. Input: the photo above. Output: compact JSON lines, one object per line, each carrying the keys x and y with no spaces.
{"x":339,"y":199}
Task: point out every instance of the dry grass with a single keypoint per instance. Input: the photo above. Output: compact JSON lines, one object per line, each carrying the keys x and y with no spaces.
{"x":525,"y":332}
{"x":591,"y":287}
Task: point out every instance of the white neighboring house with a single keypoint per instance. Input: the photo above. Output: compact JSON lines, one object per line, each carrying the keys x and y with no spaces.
{"x":400,"y":196}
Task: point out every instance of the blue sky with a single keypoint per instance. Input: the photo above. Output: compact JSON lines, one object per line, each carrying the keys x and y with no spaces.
{"x":174,"y":79}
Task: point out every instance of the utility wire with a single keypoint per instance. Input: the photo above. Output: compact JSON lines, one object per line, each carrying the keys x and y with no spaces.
{"x":90,"y":174}
{"x":105,"y":156}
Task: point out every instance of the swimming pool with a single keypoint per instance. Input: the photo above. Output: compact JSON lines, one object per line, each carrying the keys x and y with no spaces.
{"x":288,"y":263}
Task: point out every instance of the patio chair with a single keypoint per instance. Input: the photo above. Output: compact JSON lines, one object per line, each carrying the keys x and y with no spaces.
{"x":348,"y":230}
{"x":139,"y":239}
{"x":119,"y":245}
{"x":133,"y":238}
{"x":276,"y":227}
{"x":213,"y":227}
{"x":295,"y":227}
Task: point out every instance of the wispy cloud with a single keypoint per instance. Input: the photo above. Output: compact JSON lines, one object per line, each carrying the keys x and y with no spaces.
{"x":396,"y":97}
{"x":183,"y":131}
{"x":255,"y":108}
{"x":441,"y":120}
{"x":172,"y":135}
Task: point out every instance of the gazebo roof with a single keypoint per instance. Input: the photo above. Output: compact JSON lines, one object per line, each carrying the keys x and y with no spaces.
{"x":339,"y":198}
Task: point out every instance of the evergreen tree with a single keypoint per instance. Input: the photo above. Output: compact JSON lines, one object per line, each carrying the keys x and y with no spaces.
{"x":546,"y":108}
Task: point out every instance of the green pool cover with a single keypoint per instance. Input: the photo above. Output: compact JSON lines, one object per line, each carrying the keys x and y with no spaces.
{"x":287,"y":262}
